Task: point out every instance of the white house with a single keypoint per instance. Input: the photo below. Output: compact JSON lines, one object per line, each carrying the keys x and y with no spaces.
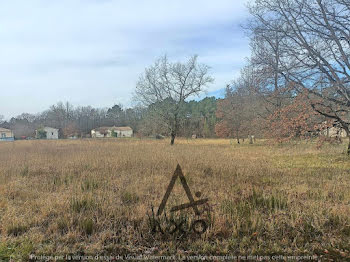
{"x":50,"y":133}
{"x":332,"y":130}
{"x":6,"y":134}
{"x":335,"y":131}
{"x":114,"y":131}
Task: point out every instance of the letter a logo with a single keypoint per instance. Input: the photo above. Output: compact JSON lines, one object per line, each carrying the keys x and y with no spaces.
{"x":192,"y":203}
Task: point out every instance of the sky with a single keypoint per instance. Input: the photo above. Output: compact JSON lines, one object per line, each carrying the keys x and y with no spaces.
{"x":92,"y":52}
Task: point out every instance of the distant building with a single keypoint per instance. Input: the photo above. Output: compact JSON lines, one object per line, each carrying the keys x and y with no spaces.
{"x":332,"y":129}
{"x":6,"y":135}
{"x":114,"y":131}
{"x":335,"y":131}
{"x":47,"y":133}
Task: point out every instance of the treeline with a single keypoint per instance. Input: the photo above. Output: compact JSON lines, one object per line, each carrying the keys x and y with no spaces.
{"x":79,"y":121}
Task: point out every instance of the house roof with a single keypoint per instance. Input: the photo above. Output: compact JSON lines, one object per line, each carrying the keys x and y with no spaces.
{"x":123,"y":128}
{"x":114,"y":128}
{"x":5,"y":130}
{"x":47,"y":127}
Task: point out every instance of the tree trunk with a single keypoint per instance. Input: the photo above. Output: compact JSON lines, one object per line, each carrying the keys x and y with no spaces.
{"x":250,"y":140}
{"x":172,"y":138}
{"x":346,"y":128}
{"x":174,"y":129}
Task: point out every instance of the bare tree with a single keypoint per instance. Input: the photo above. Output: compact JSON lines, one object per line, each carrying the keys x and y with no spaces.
{"x":231,"y":114}
{"x":165,"y":86}
{"x":266,"y":67}
{"x":1,"y":119}
{"x":237,"y":111}
{"x":316,"y":42}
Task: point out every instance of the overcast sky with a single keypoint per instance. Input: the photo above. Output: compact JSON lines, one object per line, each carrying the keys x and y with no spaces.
{"x":91,"y":52}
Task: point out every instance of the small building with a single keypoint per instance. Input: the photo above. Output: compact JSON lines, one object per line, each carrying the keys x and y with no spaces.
{"x":6,"y":135}
{"x":114,"y":131}
{"x":47,"y":133}
{"x":335,"y":131}
{"x":332,"y":129}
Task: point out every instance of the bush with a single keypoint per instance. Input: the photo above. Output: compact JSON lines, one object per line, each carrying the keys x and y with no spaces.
{"x":41,"y":134}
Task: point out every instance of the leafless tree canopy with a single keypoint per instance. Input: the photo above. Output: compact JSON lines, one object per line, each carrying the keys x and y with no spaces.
{"x":167,"y":85}
{"x":175,"y":81}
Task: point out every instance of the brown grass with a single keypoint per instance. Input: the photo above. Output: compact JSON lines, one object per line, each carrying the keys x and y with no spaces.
{"x":93,"y":197}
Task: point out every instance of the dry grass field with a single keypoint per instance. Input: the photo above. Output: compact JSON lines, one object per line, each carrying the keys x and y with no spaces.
{"x":93,"y":197}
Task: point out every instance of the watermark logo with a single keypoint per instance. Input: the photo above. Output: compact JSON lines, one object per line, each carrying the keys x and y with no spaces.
{"x":182,"y":224}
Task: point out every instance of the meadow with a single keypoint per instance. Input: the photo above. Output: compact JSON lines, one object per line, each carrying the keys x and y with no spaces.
{"x":95,"y":197}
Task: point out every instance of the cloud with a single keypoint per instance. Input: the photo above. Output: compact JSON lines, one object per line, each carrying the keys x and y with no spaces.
{"x":92,"y":51}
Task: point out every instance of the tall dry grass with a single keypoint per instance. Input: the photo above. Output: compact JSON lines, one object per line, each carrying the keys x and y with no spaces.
{"x":93,"y":197}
